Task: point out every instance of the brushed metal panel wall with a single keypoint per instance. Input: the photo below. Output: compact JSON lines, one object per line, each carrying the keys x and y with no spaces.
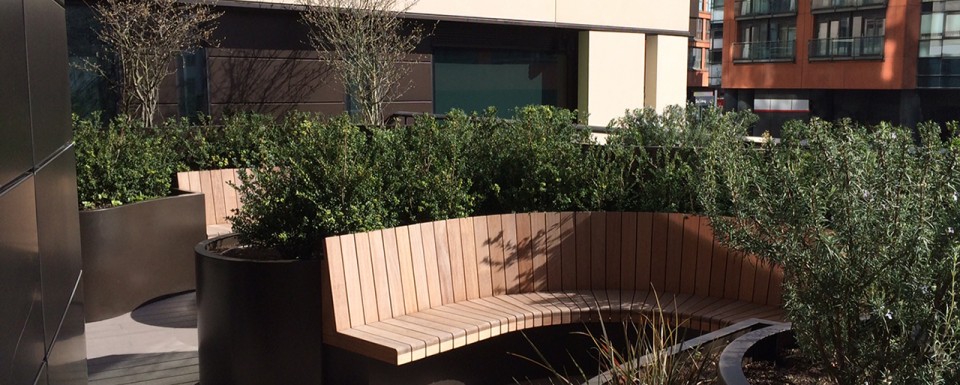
{"x":21,"y":326}
{"x":59,"y":237}
{"x":15,"y":146}
{"x":49,"y":83}
{"x":41,"y":321}
{"x":67,"y":362}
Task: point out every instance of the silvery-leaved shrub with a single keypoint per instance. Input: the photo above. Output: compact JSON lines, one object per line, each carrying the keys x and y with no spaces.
{"x":863,"y":221}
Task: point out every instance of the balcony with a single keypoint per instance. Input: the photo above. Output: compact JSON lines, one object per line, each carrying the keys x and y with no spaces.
{"x":758,"y":8}
{"x":834,"y":5}
{"x":764,"y":51}
{"x":870,"y":47}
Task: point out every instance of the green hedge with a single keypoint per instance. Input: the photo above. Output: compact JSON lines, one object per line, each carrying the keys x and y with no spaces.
{"x":121,"y":161}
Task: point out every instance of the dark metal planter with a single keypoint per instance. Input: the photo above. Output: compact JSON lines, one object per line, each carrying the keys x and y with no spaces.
{"x":259,"y":322}
{"x":766,"y":340}
{"x":137,"y":252}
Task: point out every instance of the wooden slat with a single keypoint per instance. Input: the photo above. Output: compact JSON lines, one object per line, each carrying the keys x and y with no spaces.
{"x":532,"y":315}
{"x":440,"y":242}
{"x":194,"y":179}
{"x":395,"y":274}
{"x":524,"y":253}
{"x":498,"y":264}
{"x":418,"y":347}
{"x":461,"y":312}
{"x":373,"y":345}
{"x":775,"y":297}
{"x":704,"y":258}
{"x":628,"y":252}
{"x":583,"y":234}
{"x":367,"y":286}
{"x":351,"y":274}
{"x":525,"y":317}
{"x":476,"y":309}
{"x":206,"y":187}
{"x":554,"y":258}
{"x":428,"y":250}
{"x":431,"y":344}
{"x":183,"y":181}
{"x":718,"y":265}
{"x":674,"y":255}
{"x":216,"y":189}
{"x":230,"y":196}
{"x":658,"y":251}
{"x":413,"y":284}
{"x":334,"y":318}
{"x":448,"y":340}
{"x":455,"y":251}
{"x":568,"y":252}
{"x":645,"y":237}
{"x":598,"y":250}
{"x":420,"y":269}
{"x":613,"y":254}
{"x":691,"y":245}
{"x":511,"y":255}
{"x":381,"y":283}
{"x":484,"y":259}
{"x":748,"y":275}
{"x":538,"y":228}
{"x":734,"y":261}
{"x":459,"y":330}
{"x":470,"y":263}
{"x":761,"y":287}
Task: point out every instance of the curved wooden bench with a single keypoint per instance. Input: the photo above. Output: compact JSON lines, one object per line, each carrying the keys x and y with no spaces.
{"x":219,"y":195}
{"x":402,"y":294}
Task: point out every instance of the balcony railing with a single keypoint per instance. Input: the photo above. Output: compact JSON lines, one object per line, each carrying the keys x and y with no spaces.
{"x":748,"y":8}
{"x":765,"y":51}
{"x":827,"y":4}
{"x":870,"y":47}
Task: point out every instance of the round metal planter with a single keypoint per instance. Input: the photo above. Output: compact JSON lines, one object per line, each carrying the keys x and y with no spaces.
{"x":259,"y":322}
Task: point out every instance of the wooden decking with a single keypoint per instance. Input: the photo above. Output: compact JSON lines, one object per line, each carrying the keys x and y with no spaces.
{"x":155,"y":344}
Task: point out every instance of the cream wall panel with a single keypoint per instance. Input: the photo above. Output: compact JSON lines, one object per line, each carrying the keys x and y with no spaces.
{"x":671,"y":15}
{"x":666,"y":71}
{"x":611,"y":74}
{"x":543,"y":11}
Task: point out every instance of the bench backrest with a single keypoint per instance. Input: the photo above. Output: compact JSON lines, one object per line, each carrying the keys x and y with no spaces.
{"x":220,"y":197}
{"x":386,"y":273}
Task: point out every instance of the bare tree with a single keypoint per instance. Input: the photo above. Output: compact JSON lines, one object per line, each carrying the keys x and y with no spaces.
{"x":143,"y":37}
{"x":366,"y":43}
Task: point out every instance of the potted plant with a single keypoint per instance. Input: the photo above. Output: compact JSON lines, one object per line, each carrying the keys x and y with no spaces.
{"x":136,"y":232}
{"x":258,"y":291}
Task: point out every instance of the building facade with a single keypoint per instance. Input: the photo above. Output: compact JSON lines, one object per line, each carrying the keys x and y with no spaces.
{"x":703,"y":73}
{"x":41,"y":321}
{"x":869,"y":60}
{"x":601,"y":58}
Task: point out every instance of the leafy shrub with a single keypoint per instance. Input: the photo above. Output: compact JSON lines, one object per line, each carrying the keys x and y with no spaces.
{"x":238,"y":142}
{"x":535,"y":162}
{"x":319,"y":181}
{"x":863,"y":220}
{"x":425,"y":170}
{"x":121,"y":162}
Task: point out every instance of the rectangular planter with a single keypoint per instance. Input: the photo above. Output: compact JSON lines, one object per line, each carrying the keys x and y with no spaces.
{"x":137,"y":252}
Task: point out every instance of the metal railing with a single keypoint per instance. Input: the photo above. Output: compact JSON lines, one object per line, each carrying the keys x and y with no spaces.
{"x":847,"y":48}
{"x":744,"y":8}
{"x":765,"y":51}
{"x":823,"y":4}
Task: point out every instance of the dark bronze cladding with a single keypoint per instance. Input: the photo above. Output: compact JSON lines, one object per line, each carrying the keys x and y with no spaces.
{"x":41,"y":325}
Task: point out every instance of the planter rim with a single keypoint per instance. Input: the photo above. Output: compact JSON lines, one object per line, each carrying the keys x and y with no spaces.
{"x":174,"y":193}
{"x":203,"y":249}
{"x":730,"y":364}
{"x":746,"y":326}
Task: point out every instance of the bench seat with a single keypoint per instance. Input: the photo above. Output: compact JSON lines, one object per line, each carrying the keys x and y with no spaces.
{"x":418,"y":335}
{"x":402,"y":294}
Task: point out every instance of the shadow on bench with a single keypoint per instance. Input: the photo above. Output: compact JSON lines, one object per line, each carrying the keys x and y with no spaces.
{"x":406,"y":293}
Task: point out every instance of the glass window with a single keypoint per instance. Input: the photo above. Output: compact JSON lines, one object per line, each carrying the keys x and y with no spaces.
{"x":951,"y":27}
{"x":696,"y":58}
{"x":474,"y":79}
{"x":931,"y":25}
